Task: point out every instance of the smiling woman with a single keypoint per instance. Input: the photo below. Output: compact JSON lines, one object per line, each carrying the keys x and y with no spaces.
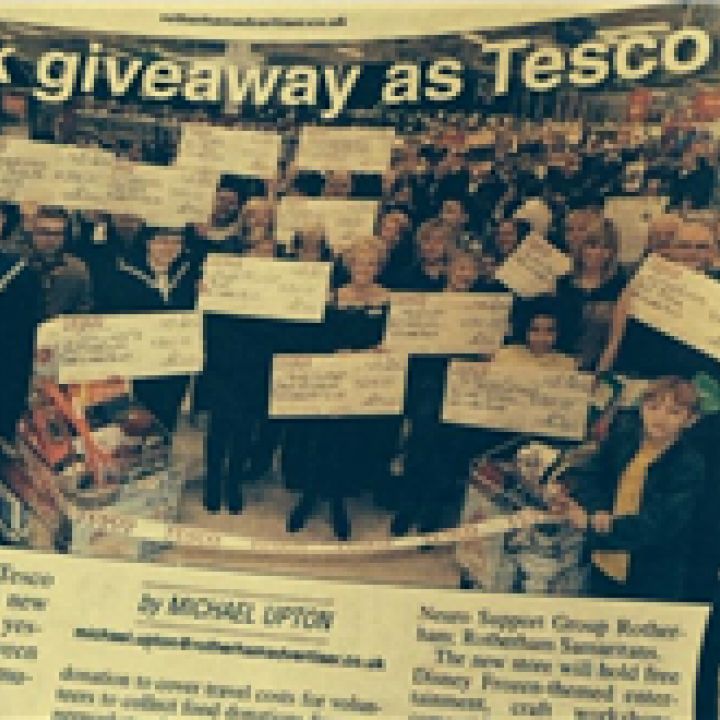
{"x":637,"y":496}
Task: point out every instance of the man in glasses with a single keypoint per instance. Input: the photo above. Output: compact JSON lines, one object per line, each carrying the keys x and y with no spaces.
{"x":65,"y":280}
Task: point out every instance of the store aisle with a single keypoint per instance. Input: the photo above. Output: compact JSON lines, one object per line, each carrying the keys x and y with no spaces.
{"x":266,"y":507}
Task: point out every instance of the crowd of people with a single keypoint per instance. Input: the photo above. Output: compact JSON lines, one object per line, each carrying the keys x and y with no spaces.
{"x":452,"y":208}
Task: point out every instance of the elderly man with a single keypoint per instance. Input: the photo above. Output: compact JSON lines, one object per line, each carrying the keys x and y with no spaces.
{"x":663,"y":231}
{"x":637,"y":349}
{"x":695,"y":247}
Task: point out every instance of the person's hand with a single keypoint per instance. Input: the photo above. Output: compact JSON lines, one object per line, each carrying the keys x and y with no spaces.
{"x":601,"y":522}
{"x":576,"y":515}
{"x":273,"y":187}
{"x":291,"y":171}
{"x":622,"y":306}
{"x":556,"y":497}
{"x":388,"y":179}
{"x":621,"y":312}
{"x":601,"y":427}
{"x":528,"y":517}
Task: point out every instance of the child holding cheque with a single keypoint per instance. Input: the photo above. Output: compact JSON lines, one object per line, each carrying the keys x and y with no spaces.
{"x":538,"y":329}
{"x":636,"y":497}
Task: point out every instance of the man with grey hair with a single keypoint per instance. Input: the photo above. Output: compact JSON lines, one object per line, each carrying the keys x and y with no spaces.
{"x":695,"y":247}
{"x":637,"y":349}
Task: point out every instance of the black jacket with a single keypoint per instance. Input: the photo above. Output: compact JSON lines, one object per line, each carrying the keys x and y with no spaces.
{"x":134,"y":289}
{"x":648,"y":353}
{"x":696,"y":186}
{"x":657,"y":537}
{"x":19,"y":315}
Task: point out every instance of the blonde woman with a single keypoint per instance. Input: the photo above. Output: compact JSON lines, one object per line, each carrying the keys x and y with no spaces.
{"x":588,"y":295}
{"x":351,"y":455}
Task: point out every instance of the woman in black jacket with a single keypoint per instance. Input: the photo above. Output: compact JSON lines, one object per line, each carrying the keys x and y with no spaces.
{"x":637,"y":496}
{"x":588,"y":296}
{"x":307,"y":464}
{"x":358,"y":450}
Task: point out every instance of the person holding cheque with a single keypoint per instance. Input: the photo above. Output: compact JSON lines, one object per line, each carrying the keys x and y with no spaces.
{"x":160,"y":277}
{"x":636,"y":497}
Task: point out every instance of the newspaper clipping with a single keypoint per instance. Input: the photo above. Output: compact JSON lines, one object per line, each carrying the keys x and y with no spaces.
{"x":360,"y":362}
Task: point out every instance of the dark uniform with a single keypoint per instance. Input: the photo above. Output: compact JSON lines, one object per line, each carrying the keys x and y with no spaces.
{"x":65,"y":286}
{"x":240,"y":440}
{"x":361,"y":447}
{"x":340,"y":457}
{"x":19,"y":314}
{"x":587,"y":316}
{"x":410,"y":493}
{"x":648,"y":353}
{"x":305,"y":461}
{"x":437,"y":455}
{"x":135,"y":289}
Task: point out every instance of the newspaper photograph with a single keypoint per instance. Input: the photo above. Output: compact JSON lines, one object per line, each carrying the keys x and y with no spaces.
{"x":360,"y":362}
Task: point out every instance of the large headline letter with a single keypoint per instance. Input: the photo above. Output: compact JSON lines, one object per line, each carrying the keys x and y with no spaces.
{"x":339,"y":89}
{"x":446,"y":80}
{"x":56,"y":87}
{"x":541,"y":69}
{"x":403,"y":84}
{"x":643,"y":68}
{"x":504,"y":52}
{"x":703,"y":50}
{"x":591,"y":65}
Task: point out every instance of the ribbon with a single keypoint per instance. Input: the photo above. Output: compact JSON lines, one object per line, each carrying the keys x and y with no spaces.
{"x":149,"y":530}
